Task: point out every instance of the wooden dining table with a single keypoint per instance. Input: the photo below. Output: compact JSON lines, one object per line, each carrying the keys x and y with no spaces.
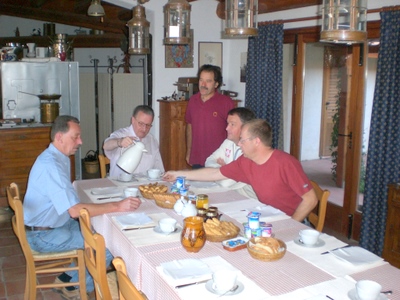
{"x":302,"y":273}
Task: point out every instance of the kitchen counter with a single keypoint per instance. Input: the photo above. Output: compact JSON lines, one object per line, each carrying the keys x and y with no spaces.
{"x":23,"y":125}
{"x":19,"y":148}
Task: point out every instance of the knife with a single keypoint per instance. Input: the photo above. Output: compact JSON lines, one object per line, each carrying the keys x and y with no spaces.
{"x":105,"y":198}
{"x":192,"y":283}
{"x":326,"y":252}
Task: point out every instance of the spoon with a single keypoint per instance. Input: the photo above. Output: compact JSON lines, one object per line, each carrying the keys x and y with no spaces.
{"x":230,"y":291}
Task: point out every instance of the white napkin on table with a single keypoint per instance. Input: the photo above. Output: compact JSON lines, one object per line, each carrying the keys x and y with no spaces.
{"x":356,"y":255}
{"x":133,"y":220}
{"x":187,"y":270}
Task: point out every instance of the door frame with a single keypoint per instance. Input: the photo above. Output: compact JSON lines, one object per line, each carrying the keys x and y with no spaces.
{"x":345,"y":220}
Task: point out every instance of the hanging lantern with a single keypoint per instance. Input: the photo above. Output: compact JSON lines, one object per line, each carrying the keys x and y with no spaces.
{"x":139,"y":36}
{"x":177,"y":22}
{"x":95,"y":9}
{"x":344,"y":21}
{"x":241,"y":17}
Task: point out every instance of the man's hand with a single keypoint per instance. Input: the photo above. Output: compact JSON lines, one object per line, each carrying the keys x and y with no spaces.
{"x":170,"y":176}
{"x":221,"y":161}
{"x":126,"y":141}
{"x":129,"y":204}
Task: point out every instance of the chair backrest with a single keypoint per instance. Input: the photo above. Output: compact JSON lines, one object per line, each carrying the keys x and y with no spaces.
{"x":318,"y":220}
{"x":95,"y":256}
{"x":18,"y":224}
{"x":127,"y":291}
{"x":103,"y":161}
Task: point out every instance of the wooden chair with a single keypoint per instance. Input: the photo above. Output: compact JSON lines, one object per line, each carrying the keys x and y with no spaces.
{"x":103,"y":161}
{"x":95,"y":259}
{"x":127,"y":290}
{"x":318,"y":220}
{"x":43,"y":263}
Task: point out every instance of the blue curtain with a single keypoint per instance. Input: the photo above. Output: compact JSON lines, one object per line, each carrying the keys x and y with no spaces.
{"x":383,"y":162}
{"x":264,"y":77}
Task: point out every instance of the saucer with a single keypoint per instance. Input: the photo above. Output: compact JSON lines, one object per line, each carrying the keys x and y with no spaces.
{"x":353,"y":295}
{"x":238,"y":291}
{"x":158,"y":230}
{"x":318,"y":244}
{"x":154,"y":179}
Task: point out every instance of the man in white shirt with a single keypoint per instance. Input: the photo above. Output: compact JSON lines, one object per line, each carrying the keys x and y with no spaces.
{"x":116,"y":144}
{"x":230,"y":151}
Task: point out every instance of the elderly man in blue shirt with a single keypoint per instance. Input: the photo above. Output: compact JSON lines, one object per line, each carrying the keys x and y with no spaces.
{"x":51,"y":204}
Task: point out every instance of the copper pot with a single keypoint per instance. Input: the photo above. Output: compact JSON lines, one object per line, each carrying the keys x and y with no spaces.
{"x":48,"y":111}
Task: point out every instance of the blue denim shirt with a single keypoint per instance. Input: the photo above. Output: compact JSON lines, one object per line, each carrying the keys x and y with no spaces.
{"x":50,"y":193}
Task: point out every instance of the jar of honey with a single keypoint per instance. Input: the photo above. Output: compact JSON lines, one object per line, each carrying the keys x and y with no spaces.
{"x":202,"y":201}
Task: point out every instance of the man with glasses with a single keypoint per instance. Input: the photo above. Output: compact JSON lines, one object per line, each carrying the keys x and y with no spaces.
{"x":276,"y":177}
{"x":116,"y":144}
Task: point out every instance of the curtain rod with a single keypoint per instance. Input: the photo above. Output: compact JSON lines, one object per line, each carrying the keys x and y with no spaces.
{"x":386,"y":8}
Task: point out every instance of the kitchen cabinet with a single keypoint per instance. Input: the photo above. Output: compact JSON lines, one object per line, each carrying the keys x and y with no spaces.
{"x":173,"y":134}
{"x":391,"y":248}
{"x":19,"y":148}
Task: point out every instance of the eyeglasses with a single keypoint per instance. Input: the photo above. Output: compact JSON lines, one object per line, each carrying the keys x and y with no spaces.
{"x":142,"y":125}
{"x":241,"y":141}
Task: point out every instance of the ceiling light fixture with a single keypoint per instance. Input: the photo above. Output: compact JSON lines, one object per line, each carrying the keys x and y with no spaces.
{"x":241,"y":17}
{"x":177,"y":22}
{"x":344,"y":21}
{"x":139,"y":36}
{"x":95,"y":9}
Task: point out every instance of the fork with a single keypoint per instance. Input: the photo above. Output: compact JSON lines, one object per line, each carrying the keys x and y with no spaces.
{"x":229,"y":291}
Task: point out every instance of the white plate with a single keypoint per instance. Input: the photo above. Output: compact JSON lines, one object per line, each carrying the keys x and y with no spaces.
{"x":158,"y":230}
{"x":319,"y":243}
{"x":238,"y":291}
{"x":356,"y":255}
{"x":353,"y":295}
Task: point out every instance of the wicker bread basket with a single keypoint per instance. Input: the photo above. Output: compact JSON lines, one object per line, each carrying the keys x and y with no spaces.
{"x":264,"y":255}
{"x":148,"y":190}
{"x":165,"y":200}
{"x":148,"y":195}
{"x":219,"y":238}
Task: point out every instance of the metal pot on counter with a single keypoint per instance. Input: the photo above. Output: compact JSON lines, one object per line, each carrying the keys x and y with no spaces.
{"x":49,"y":109}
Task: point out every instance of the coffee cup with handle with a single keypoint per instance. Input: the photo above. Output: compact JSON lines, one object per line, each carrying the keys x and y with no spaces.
{"x":154,"y":173}
{"x":167,"y":225}
{"x":309,"y":237}
{"x":131,"y":192}
{"x":368,"y":290}
{"x":125,"y":177}
{"x":223,"y":280}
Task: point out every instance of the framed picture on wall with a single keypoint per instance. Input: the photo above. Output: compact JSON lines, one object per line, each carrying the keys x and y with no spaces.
{"x":210,"y":53}
{"x":179,"y":56}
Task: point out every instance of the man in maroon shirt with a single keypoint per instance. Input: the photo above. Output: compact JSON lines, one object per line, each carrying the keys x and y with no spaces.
{"x":206,"y":115}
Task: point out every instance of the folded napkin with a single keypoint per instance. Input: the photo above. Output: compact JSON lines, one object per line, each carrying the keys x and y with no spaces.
{"x":106,"y":191}
{"x":133,"y":220}
{"x":187,"y":270}
{"x":356,"y":255}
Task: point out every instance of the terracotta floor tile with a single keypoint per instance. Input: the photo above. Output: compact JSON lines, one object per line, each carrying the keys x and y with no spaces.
{"x":6,"y":251}
{"x":15,"y":287}
{"x":2,"y":290}
{"x":13,"y":261}
{"x":13,"y":274}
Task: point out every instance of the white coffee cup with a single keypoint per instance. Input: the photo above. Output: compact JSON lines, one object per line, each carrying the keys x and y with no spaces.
{"x":154,"y":173}
{"x":368,"y":290}
{"x":125,"y":177}
{"x":131,"y":192}
{"x":223,"y":280}
{"x":167,"y":225}
{"x":31,"y":48}
{"x":309,"y":237}
{"x":41,"y":52}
